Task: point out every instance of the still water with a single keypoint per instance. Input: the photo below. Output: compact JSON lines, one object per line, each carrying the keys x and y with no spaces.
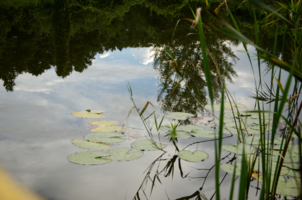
{"x":65,"y":56}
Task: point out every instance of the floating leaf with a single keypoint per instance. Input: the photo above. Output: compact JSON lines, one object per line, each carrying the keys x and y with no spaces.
{"x":189,"y":128}
{"x":256,"y":116}
{"x":257,"y":127}
{"x":179,"y":115}
{"x":108,"y":129}
{"x":239,"y":148}
{"x":291,"y":187}
{"x":195,"y":156}
{"x":166,"y":128}
{"x":105,"y":137}
{"x":231,"y":125}
{"x":203,"y":133}
{"x":91,"y":114}
{"x":227,"y":106}
{"x":147,"y":145}
{"x":178,"y":134}
{"x":124,"y":155}
{"x":230,"y":168}
{"x":233,"y":131}
{"x":104,"y":123}
{"x":90,"y":145}
{"x":201,"y":120}
{"x":230,"y":115}
{"x":89,"y":158}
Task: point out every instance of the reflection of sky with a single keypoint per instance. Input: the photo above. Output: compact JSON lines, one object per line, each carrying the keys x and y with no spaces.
{"x":37,"y":128}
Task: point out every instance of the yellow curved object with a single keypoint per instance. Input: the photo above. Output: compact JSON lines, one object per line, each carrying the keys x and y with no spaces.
{"x":10,"y":190}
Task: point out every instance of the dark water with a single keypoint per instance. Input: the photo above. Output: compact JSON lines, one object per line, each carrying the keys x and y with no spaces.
{"x":65,"y":56}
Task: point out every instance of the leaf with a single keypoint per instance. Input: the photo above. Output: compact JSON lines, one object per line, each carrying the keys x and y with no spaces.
{"x":89,"y":158}
{"x":108,"y":129}
{"x":124,"y":155}
{"x":227,"y":106}
{"x":91,"y":114}
{"x":179,"y":115}
{"x":105,"y":137}
{"x":256,"y":115}
{"x":165,"y":128}
{"x":230,"y":168}
{"x":290,"y":188}
{"x":239,"y":148}
{"x":147,"y":145}
{"x":178,"y":134}
{"x":104,"y":123}
{"x":90,"y":145}
{"x":203,"y":133}
{"x":195,"y":156}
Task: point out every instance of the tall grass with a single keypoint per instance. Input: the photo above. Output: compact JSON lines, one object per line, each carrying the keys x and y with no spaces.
{"x":266,"y":150}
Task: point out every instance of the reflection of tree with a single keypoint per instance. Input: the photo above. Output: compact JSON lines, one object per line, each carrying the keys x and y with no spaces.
{"x":61,"y":30}
{"x":69,"y":33}
{"x":187,"y":54}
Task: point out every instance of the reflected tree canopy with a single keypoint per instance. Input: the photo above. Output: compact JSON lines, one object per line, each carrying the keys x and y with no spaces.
{"x":66,"y":34}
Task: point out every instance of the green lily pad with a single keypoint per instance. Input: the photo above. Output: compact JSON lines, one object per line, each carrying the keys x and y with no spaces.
{"x":104,"y":123}
{"x":257,"y":127}
{"x":105,"y":137}
{"x":179,"y":115}
{"x":227,"y":106}
{"x":291,"y":187}
{"x":230,"y":115}
{"x":146,"y":145}
{"x":216,"y":121}
{"x":256,"y":116}
{"x":89,"y":158}
{"x":252,"y":131}
{"x":189,"y":128}
{"x":195,"y":156}
{"x":108,"y":129}
{"x":91,"y":114}
{"x":216,"y":107}
{"x":90,"y":145}
{"x":239,"y":148}
{"x":203,"y":133}
{"x":166,"y":128}
{"x":178,"y":134}
{"x":233,"y":131}
{"x":231,"y":125}
{"x":124,"y":155}
{"x":230,"y":168}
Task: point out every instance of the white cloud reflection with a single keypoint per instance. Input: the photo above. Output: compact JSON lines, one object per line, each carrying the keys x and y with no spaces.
{"x":143,"y":55}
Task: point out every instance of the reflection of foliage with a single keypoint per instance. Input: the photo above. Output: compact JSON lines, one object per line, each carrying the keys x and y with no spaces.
{"x":186,"y":52}
{"x":36,"y":35}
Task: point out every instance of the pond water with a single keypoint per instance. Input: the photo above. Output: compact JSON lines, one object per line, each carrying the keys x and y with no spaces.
{"x":66,"y":56}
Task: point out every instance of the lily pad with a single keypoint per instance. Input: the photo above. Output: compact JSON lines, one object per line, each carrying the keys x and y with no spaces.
{"x":291,"y":187}
{"x":227,"y":106}
{"x":233,"y":131}
{"x":124,"y":155}
{"x":203,"y":133}
{"x":230,"y":168}
{"x":90,"y":145}
{"x":108,"y":129}
{"x":230,"y":115}
{"x":195,"y":156}
{"x":105,"y":137}
{"x":179,"y":134}
{"x":256,"y":115}
{"x":91,"y":114}
{"x":104,"y":123}
{"x":231,"y":125}
{"x":239,"y":148}
{"x":179,"y":115}
{"x":189,"y":128}
{"x":146,"y":145}
{"x":89,"y":158}
{"x":166,"y":128}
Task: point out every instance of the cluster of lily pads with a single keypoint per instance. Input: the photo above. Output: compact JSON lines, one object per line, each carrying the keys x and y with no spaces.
{"x":251,"y":126}
{"x":104,"y":135}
